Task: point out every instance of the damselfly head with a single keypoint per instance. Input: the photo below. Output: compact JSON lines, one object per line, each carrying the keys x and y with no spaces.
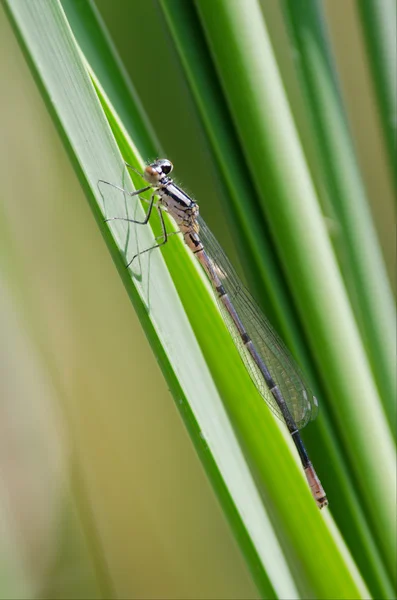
{"x":157,"y":170}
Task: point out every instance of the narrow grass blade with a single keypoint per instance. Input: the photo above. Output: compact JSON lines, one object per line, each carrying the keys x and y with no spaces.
{"x":380,"y":36}
{"x":190,"y":44}
{"x":237,"y":35}
{"x":362,"y":265}
{"x":251,"y":421}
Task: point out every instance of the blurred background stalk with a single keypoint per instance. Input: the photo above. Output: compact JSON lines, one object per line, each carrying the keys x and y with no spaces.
{"x":379,"y":23}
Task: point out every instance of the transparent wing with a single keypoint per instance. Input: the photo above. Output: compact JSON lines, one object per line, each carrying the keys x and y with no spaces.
{"x":283,"y":368}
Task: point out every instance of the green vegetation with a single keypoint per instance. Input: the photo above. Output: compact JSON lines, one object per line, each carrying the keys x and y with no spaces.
{"x":278,"y":175}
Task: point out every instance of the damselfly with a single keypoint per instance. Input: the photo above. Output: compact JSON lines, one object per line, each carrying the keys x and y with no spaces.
{"x":272,"y":369}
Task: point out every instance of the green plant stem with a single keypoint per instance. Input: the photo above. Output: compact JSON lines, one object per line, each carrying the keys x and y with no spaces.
{"x":193,"y":52}
{"x":242,"y":52}
{"x":363,"y":267}
{"x":380,"y":35}
{"x":306,"y":530}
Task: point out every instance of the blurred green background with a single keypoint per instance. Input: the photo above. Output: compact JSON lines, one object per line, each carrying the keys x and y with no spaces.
{"x":88,"y":428}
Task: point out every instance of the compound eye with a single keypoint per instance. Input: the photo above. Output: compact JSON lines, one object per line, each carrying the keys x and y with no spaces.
{"x":166,"y":167}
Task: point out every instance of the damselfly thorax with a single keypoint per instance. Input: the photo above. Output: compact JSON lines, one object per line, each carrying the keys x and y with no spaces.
{"x":183,"y":209}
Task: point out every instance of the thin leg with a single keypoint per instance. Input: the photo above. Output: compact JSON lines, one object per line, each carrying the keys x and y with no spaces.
{"x":147,"y":216}
{"x":133,"y":169}
{"x":164,"y":236}
{"x":159,"y":237}
{"x":145,"y":189}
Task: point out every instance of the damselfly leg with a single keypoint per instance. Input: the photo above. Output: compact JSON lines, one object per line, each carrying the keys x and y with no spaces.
{"x":152,"y":203}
